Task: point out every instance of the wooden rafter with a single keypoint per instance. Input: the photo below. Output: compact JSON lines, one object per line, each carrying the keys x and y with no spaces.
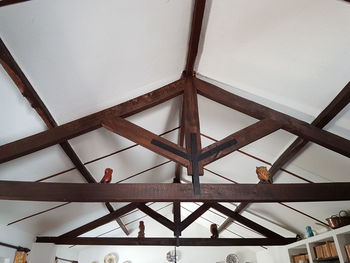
{"x":100,"y":221}
{"x":181,"y":142}
{"x":11,"y":2}
{"x":194,"y":216}
{"x":243,"y":137}
{"x":289,"y":123}
{"x":192,"y":132}
{"x":156,"y":216}
{"x":328,"y":114}
{"x":196,"y":28}
{"x":177,"y":218}
{"x":72,"y":192}
{"x":167,"y":241}
{"x":88,"y":123}
{"x":145,"y":138}
{"x":245,"y":221}
{"x":27,"y":90}
{"x":196,"y":156}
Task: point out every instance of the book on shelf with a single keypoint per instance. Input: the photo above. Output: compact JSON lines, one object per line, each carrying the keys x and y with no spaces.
{"x":301,"y":258}
{"x":319,"y":252}
{"x":347,"y":249}
{"x":333,"y":249}
{"x":326,"y":250}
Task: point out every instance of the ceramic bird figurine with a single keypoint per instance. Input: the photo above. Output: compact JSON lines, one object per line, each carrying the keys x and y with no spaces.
{"x":263,"y":174}
{"x":107,"y":178}
{"x":141,"y":233}
{"x":214,"y":231}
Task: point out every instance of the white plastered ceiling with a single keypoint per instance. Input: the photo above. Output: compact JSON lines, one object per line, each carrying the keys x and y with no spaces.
{"x":86,"y":55}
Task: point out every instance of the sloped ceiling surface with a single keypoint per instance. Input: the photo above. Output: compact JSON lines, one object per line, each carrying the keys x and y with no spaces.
{"x":84,"y":56}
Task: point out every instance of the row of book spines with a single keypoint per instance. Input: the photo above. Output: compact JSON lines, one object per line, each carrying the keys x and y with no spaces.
{"x":327,"y":250}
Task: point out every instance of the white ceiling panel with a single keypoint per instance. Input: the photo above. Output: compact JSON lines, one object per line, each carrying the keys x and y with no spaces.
{"x":63,"y":219}
{"x":325,"y":163}
{"x":287,"y":51}
{"x":126,"y":163}
{"x":17,"y":117}
{"x":322,"y":210}
{"x":159,"y":119}
{"x":282,"y":216}
{"x":83,"y":47}
{"x":36,"y":166}
{"x":11,"y":211}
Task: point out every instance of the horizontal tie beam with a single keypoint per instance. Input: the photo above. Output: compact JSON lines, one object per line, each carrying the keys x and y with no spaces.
{"x":72,"y":192}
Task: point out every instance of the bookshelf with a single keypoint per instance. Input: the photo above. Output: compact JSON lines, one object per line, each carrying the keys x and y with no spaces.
{"x":344,"y":244}
{"x":326,"y":247}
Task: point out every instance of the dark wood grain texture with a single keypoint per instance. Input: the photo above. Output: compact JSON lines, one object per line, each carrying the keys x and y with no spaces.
{"x":156,"y":216}
{"x":245,"y":221}
{"x":328,"y":114}
{"x":196,"y":28}
{"x":194,"y":216}
{"x":28,"y":91}
{"x":177,"y":218}
{"x":333,"y":108}
{"x":86,"y":124}
{"x":181,"y":142}
{"x":70,"y":192}
{"x":290,"y":124}
{"x":167,"y":241}
{"x":100,"y":221}
{"x":243,"y":137}
{"x":191,"y":122}
{"x":144,"y":138}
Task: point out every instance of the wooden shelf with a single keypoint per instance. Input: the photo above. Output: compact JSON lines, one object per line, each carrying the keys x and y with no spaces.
{"x":326,"y":259}
{"x":340,"y":236}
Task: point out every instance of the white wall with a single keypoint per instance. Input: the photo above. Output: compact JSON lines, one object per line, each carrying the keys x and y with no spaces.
{"x":66,"y":253}
{"x":14,"y":237}
{"x":273,"y":255}
{"x":158,"y":254}
{"x":42,"y":253}
{"x":138,"y":254}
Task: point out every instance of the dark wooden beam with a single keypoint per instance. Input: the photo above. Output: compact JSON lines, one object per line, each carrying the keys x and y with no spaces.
{"x":245,"y":221}
{"x":328,"y":114}
{"x":196,"y":28}
{"x":11,"y":2}
{"x":144,"y":138}
{"x":336,"y":106}
{"x":100,"y":221}
{"x":27,"y":90}
{"x":270,"y":193}
{"x":156,"y":216}
{"x":177,"y":218}
{"x":243,"y":137}
{"x":194,"y":216}
{"x":192,"y":132}
{"x":191,"y":120}
{"x":181,"y":142}
{"x":86,"y":124}
{"x":167,"y":241}
{"x":290,"y":124}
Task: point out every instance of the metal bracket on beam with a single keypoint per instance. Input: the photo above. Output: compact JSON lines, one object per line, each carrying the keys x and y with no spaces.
{"x":195,"y":157}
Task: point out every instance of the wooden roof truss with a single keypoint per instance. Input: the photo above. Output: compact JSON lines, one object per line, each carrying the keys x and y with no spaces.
{"x":187,"y":153}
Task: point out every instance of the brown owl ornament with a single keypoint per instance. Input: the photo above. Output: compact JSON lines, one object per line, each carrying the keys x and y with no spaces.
{"x":214,"y":231}
{"x":264,"y":174}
